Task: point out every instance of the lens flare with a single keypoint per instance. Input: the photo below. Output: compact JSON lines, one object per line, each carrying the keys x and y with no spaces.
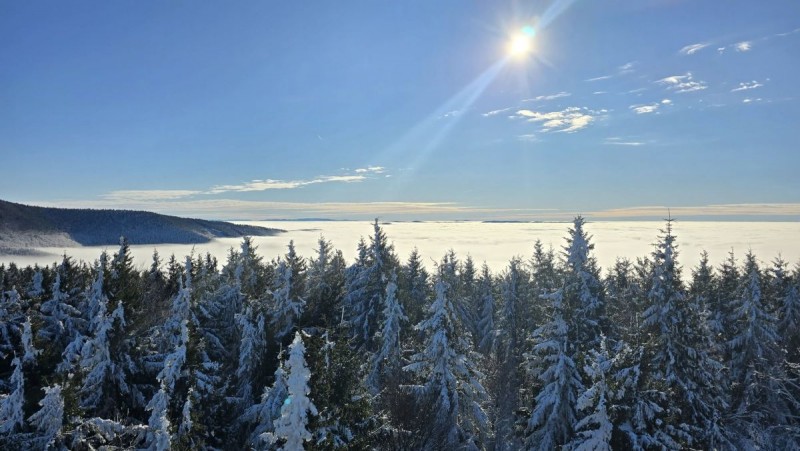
{"x":520,"y":45}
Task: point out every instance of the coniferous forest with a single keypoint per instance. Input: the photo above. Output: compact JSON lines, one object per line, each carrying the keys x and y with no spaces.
{"x":385,"y":352}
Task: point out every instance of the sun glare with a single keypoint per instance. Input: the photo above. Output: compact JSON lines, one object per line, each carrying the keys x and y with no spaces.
{"x":522,"y":43}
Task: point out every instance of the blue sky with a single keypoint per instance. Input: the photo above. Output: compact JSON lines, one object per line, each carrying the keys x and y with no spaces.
{"x":404,"y":110}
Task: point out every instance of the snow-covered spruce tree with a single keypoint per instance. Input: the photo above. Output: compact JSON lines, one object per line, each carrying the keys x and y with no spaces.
{"x":676,"y":359}
{"x":249,"y":274}
{"x":251,"y":352}
{"x":48,"y":420}
{"x":298,"y":267}
{"x":513,"y":326}
{"x":96,"y":300}
{"x":29,"y":353}
{"x":291,"y":427}
{"x":324,"y":287}
{"x":469,"y":296}
{"x":763,"y":404}
{"x":451,"y":395}
{"x":36,"y":289}
{"x":721,"y":309}
{"x":486,"y":327}
{"x":11,"y":320}
{"x":348,"y":416}
{"x":159,"y":436}
{"x":59,"y":318}
{"x":267,"y":410}
{"x":413,"y":290}
{"x":554,"y":417}
{"x":593,"y":430}
{"x":386,"y":363}
{"x":788,"y":310}
{"x":366,"y":286}
{"x":624,"y":300}
{"x":286,"y":305}
{"x":582,"y":293}
{"x":11,"y":405}
{"x":545,"y":276}
{"x":123,"y":285}
{"x":104,"y":379}
{"x":701,"y":289}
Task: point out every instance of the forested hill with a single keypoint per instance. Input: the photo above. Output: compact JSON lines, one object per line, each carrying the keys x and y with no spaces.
{"x":27,"y":226}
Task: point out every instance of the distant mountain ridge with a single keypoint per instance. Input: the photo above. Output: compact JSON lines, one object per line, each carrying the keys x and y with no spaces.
{"x":25,"y":226}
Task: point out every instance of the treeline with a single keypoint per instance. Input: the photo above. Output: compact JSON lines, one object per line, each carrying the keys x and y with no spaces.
{"x":317,"y":353}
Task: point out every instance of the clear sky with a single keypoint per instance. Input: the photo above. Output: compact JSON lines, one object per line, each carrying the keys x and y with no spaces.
{"x":404,"y":109}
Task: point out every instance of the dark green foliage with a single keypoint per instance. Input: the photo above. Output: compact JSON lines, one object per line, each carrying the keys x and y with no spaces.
{"x":709,"y":363}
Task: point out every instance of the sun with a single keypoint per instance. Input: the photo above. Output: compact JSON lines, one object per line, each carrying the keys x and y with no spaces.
{"x":521,"y":43}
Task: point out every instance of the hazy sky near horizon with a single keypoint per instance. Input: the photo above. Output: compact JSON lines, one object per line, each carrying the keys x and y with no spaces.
{"x":404,"y":110}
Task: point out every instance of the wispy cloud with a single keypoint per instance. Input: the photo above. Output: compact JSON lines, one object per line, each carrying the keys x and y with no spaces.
{"x":746,"y":86}
{"x":796,"y":30}
{"x":495,"y":112}
{"x":530,"y":138}
{"x":450,"y":114}
{"x":666,"y":102}
{"x":682,"y":83}
{"x":549,"y":97}
{"x":645,"y":109}
{"x":142,"y":195}
{"x":270,"y":184}
{"x":749,"y":100}
{"x":691,"y":49}
{"x":602,"y":77}
{"x":626,"y":68}
{"x":743,"y":46}
{"x":568,"y":120}
{"x":617,"y":141}
{"x":371,"y":169}
{"x":127,"y":196}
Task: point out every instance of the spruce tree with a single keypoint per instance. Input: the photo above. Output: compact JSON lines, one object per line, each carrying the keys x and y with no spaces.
{"x":11,"y":405}
{"x":553,"y":419}
{"x":676,"y":359}
{"x":291,"y":427}
{"x":451,"y":394}
{"x":386,"y":363}
{"x":49,"y":419}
